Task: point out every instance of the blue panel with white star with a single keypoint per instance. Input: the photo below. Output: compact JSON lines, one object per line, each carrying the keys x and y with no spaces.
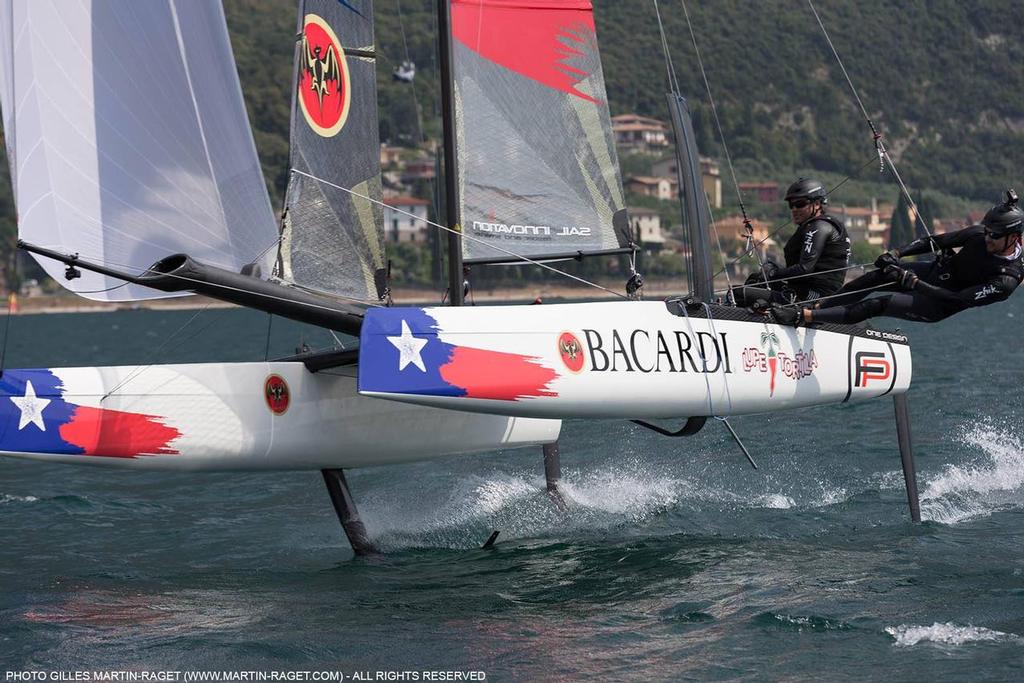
{"x":389,"y":348}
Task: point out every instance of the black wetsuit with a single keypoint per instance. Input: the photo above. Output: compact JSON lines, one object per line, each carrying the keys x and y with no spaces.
{"x":953,"y":282}
{"x":816,"y":257}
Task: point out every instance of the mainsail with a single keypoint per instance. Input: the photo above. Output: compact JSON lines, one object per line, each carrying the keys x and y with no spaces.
{"x":333,"y":235}
{"x":128,"y":139}
{"x":538,"y":173}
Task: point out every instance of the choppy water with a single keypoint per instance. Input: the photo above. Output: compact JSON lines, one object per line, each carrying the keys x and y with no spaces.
{"x":674,"y":560}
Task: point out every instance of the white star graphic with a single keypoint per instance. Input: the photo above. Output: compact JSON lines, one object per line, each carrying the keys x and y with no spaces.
{"x":409,"y":348}
{"x":31,"y":407}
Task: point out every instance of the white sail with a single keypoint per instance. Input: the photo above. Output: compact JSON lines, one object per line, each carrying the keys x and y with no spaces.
{"x":128,"y":138}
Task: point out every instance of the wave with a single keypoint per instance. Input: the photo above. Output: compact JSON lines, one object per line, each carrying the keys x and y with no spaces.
{"x":7,"y":498}
{"x":967,"y":491}
{"x":947,"y":634}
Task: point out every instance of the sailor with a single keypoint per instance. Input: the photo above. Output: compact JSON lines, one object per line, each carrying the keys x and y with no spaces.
{"x":987,"y":268}
{"x":816,"y":255}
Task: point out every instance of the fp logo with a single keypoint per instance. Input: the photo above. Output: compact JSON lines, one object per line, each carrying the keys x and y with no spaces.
{"x":871,"y":365}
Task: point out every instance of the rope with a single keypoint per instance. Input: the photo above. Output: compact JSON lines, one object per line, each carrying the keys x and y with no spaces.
{"x":508,"y":252}
{"x":883,"y":153}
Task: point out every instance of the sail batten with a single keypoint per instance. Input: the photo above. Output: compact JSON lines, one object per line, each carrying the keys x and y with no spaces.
{"x":131,"y":142}
{"x":538,"y":171}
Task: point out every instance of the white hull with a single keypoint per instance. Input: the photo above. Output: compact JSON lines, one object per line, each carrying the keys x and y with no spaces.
{"x":233,"y":417}
{"x":619,"y":360}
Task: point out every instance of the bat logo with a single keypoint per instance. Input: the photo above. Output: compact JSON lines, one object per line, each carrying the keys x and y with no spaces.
{"x":324,"y":91}
{"x":275,"y":391}
{"x":321,"y":69}
{"x":571,"y":351}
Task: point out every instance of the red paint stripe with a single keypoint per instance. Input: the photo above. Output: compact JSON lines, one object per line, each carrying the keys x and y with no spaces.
{"x":529,"y":38}
{"x":115,"y":434}
{"x":496,"y":375}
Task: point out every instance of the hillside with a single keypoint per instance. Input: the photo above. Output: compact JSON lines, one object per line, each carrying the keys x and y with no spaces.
{"x":942,"y":80}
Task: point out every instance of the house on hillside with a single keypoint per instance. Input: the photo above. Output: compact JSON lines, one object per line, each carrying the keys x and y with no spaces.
{"x":766,"y":193}
{"x":399,"y":226}
{"x":732,"y":227}
{"x":865,"y":224}
{"x":646,"y":225}
{"x":647,"y":186}
{"x":390,"y":154}
{"x":422,"y":168}
{"x":710,"y":176}
{"x":639,"y":133}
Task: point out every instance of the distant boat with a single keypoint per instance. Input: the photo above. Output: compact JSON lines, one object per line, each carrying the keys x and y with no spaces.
{"x":404,"y":72}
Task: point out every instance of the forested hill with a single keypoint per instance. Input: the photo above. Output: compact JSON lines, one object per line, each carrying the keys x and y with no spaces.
{"x":942,"y":79}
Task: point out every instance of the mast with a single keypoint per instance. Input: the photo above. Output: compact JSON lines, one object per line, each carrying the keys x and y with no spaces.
{"x":691,"y":196}
{"x":453,"y":217}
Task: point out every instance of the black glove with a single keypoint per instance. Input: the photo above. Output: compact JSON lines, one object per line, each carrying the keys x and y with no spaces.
{"x":889,"y":258}
{"x":769,"y":269}
{"x":905,"y":279}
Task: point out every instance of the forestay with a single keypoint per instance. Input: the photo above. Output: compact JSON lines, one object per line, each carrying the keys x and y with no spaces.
{"x":128,"y":139}
{"x":333,"y":236}
{"x":538,"y":172}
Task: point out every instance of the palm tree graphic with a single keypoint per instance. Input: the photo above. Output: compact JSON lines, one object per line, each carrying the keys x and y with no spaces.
{"x":769,"y":339}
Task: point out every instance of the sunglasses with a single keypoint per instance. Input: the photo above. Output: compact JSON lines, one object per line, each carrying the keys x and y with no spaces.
{"x":993,"y":235}
{"x":799,"y":203}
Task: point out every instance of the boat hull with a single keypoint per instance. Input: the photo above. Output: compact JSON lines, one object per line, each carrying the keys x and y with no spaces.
{"x":621,"y":360}
{"x":233,"y":416}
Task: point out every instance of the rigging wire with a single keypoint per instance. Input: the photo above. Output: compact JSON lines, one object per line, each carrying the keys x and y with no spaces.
{"x":832,"y":296}
{"x":420,"y":137}
{"x":754,"y":245}
{"x":508,"y":252}
{"x":673,"y":84}
{"x":139,"y":369}
{"x":883,"y":153}
{"x":270,"y":325}
{"x":747,"y":227}
{"x":7,"y":327}
{"x":818,"y":272}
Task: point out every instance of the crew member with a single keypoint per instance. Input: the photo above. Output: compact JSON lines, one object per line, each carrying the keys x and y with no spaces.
{"x":987,"y":268}
{"x":816,"y":255}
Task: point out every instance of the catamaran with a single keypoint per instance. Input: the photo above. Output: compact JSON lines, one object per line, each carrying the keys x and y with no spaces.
{"x":136,"y":177}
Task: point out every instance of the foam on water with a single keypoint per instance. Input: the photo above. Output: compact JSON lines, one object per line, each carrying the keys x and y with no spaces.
{"x":629,"y":493}
{"x":967,"y":491}
{"x":518,"y":504}
{"x":947,"y":634}
{"x":7,"y":498}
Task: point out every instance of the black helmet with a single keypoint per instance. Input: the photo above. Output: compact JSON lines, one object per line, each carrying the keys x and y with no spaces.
{"x":1005,"y":218}
{"x":807,"y":188}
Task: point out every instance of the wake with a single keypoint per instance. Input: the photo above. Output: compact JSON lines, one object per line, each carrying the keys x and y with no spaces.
{"x":962,"y":492}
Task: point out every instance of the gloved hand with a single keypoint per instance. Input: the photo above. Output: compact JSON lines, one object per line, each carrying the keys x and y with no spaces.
{"x":905,"y":279}
{"x":769,"y":269}
{"x":889,"y":258}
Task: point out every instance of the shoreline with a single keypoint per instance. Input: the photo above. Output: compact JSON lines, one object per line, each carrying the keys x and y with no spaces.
{"x":69,"y":303}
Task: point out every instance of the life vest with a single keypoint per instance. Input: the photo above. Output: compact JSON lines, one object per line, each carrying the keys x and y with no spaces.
{"x":834,"y":256}
{"x":973,"y":265}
